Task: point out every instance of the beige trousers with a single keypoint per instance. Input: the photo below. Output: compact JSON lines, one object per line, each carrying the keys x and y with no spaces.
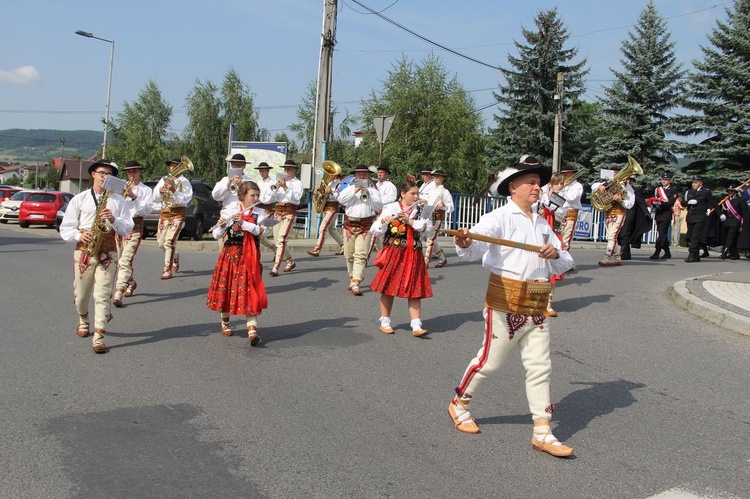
{"x":432,"y":244}
{"x":127,"y":247}
{"x":502,"y":333}
{"x":99,"y":277}
{"x":327,"y":226}
{"x":166,"y":239}
{"x":356,"y":249}
{"x":568,"y":226}
{"x":280,"y":235}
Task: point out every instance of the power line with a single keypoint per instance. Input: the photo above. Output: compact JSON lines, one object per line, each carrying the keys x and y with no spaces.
{"x":459,"y":54}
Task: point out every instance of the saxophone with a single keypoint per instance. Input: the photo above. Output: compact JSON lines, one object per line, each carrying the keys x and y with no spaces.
{"x":98,"y":228}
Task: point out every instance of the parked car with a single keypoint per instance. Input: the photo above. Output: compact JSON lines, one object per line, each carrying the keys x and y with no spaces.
{"x":6,"y":192}
{"x":59,"y":217}
{"x":202,"y":212}
{"x":40,"y":207}
{"x":9,"y":208}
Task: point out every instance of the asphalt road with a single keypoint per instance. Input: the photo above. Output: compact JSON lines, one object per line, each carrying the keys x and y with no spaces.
{"x":652,"y":398}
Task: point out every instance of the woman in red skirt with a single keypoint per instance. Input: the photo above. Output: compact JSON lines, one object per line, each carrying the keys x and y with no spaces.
{"x":402,"y":271}
{"x":237,"y":286}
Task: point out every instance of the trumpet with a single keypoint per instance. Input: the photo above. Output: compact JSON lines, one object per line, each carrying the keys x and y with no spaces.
{"x":128,"y":186}
{"x":233,"y":186}
{"x":362,"y":185}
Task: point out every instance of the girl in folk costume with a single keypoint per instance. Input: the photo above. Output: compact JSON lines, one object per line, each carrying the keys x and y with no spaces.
{"x":237,"y":284}
{"x":403,"y":272}
{"x":554,"y":214}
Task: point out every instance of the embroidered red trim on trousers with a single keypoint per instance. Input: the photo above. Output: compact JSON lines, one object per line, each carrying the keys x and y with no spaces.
{"x":485,"y":354}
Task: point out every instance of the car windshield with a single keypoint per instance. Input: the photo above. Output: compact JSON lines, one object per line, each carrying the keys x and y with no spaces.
{"x":19,"y":196}
{"x":39,"y":197}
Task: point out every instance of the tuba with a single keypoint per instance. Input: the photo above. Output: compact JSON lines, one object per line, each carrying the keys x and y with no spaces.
{"x":185,"y":165}
{"x":603,"y":200}
{"x":330,"y":169}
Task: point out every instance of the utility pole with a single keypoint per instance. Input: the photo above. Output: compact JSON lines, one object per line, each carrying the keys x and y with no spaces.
{"x":323,"y":125}
{"x":556,"y":151}
{"x":62,"y":161}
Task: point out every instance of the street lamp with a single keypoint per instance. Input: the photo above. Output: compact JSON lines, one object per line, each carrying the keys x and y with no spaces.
{"x":109,"y":84}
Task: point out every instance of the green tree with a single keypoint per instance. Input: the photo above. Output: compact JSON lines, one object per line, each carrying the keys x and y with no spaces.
{"x":205,"y":138}
{"x":435,"y":125}
{"x":719,"y":93}
{"x":239,"y":108}
{"x":526,"y":120}
{"x":141,"y":132}
{"x":636,"y":106}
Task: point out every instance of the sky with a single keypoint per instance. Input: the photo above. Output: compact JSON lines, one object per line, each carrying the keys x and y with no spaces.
{"x":54,"y":79}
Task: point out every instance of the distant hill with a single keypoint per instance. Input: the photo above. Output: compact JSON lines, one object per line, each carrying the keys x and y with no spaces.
{"x":32,"y":146}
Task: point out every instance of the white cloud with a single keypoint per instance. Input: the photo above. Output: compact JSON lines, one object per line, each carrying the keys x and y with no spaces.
{"x":24,"y":75}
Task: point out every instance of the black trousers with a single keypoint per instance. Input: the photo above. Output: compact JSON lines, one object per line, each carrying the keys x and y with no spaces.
{"x":695,"y":236}
{"x":662,"y":229}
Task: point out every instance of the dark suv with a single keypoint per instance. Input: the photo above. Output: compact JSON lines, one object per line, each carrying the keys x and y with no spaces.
{"x":202,"y":213}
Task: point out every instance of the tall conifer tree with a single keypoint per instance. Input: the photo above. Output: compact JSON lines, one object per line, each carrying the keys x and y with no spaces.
{"x":720,"y":95}
{"x":526,"y":120}
{"x":636,"y":106}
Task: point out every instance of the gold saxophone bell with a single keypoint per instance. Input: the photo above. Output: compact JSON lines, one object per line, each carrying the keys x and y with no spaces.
{"x":330,"y":169}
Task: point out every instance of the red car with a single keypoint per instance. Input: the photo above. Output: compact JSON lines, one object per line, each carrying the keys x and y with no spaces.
{"x":40,"y":207}
{"x":7,"y":192}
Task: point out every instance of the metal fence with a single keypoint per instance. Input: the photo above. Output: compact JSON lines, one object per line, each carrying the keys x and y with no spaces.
{"x":466,"y":213}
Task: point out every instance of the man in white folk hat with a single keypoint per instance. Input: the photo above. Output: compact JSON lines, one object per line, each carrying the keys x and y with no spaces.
{"x":515,"y":303}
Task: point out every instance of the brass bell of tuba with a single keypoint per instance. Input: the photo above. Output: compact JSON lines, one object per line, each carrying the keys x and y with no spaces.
{"x":330,"y":169}
{"x":603,"y":200}
{"x":185,"y":165}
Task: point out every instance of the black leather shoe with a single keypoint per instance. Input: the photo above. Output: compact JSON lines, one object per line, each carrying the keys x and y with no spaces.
{"x":666,"y":256}
{"x":625,"y":257}
{"x":655,"y":256}
{"x":704,"y":254}
{"x":692,"y":259}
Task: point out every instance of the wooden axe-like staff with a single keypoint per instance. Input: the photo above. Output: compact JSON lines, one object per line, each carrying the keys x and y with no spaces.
{"x":494,"y":240}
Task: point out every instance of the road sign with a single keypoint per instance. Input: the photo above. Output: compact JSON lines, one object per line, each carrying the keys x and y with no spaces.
{"x":383,"y":126}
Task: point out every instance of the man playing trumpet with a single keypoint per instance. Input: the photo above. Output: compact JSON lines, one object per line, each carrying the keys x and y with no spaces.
{"x":361,"y":200}
{"x":225,"y":190}
{"x":139,"y":203}
{"x":515,"y":303}
{"x":285,"y":195}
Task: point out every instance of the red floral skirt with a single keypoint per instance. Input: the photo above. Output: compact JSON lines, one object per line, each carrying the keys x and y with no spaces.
{"x":233,"y":289}
{"x":404,"y":274}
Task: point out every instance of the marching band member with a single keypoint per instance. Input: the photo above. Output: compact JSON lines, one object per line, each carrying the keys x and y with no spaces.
{"x":614,"y":217}
{"x":572,"y":192}
{"x":174,"y":196}
{"x":285,"y":195}
{"x":265,"y":183}
{"x":225,"y":190}
{"x":427,"y":185}
{"x":554,"y":213}
{"x":139,"y":203}
{"x":402,"y":272}
{"x":237,"y":282}
{"x":361,"y":204}
{"x":388,"y":195}
{"x":699,"y":204}
{"x":519,"y":321}
{"x":95,"y":271}
{"x":330,"y":213}
{"x":441,"y":200}
{"x":734,"y":213}
{"x":662,"y":202}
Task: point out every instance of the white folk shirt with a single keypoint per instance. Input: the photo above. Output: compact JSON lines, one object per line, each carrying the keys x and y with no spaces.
{"x":426,"y":189}
{"x":627,"y":202}
{"x":79,"y":215}
{"x":441,"y":195}
{"x":291,"y":195}
{"x":222,"y":194}
{"x":388,"y":192}
{"x":334,"y":186}
{"x":229,"y":211}
{"x":181,"y":196}
{"x":265,"y":185}
{"x":143,"y":204}
{"x":355,"y":207}
{"x":509,"y":222}
{"x":572,"y":194}
{"x":420,"y":224}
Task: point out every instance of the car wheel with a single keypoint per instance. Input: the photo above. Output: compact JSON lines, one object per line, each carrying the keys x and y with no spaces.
{"x":24,"y":225}
{"x":198,"y":229}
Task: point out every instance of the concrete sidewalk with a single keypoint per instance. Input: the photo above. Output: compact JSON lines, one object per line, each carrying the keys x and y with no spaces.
{"x":723,"y":299}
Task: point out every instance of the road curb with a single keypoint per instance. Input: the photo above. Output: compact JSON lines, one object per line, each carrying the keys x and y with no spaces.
{"x":685,"y":299}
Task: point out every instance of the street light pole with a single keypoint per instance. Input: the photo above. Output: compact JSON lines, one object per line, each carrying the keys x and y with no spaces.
{"x":109,"y":83}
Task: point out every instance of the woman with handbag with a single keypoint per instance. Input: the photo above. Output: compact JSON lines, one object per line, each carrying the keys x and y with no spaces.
{"x":402,"y":271}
